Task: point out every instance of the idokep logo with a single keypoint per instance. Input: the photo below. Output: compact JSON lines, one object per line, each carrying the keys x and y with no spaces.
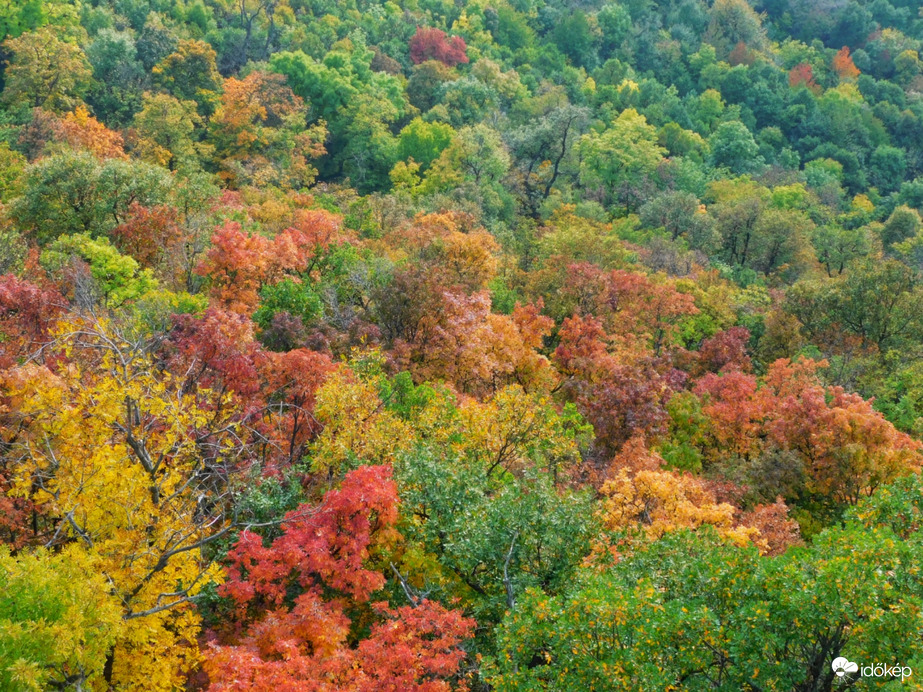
{"x":843,"y":666}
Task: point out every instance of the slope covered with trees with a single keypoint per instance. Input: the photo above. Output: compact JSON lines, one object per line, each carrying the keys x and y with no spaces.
{"x":488,"y":345}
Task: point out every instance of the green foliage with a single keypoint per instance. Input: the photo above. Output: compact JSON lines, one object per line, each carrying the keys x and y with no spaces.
{"x":297,"y":299}
{"x":12,"y":166}
{"x":45,"y":71}
{"x":878,"y":302}
{"x":57,"y":620}
{"x":470,"y":523}
{"x":621,"y":153}
{"x":687,"y":610}
{"x":688,"y":430}
{"x":903,"y":223}
{"x":733,"y":147}
{"x":423,"y":141}
{"x":154,"y":309}
{"x":73,"y":192}
{"x":117,"y":278}
{"x":17,"y":18}
{"x":118,"y":76}
{"x":190,"y":74}
{"x":166,"y":127}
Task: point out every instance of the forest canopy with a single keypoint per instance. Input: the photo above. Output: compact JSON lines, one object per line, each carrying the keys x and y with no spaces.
{"x":482,"y":345}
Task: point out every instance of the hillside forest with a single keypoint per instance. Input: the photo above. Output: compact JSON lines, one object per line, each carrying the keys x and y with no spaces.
{"x":486,"y":345}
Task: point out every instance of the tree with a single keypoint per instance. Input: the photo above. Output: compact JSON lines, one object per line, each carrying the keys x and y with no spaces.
{"x":845,"y":448}
{"x":490,"y":538}
{"x":73,"y":192}
{"x":639,"y":314}
{"x":80,"y":130}
{"x":573,"y":36}
{"x":732,"y":146}
{"x":58,"y":620}
{"x":469,"y":101}
{"x":369,"y":150}
{"x":166,"y":128}
{"x":17,"y":19}
{"x":462,"y":341}
{"x":903,"y":223}
{"x":888,"y":166}
{"x":156,"y":40}
{"x":733,"y":22}
{"x":190,"y":74}
{"x":656,"y":502}
{"x":433,"y":44}
{"x":298,"y":301}
{"x":237,"y":265}
{"x":45,"y":72}
{"x":326,"y":87}
{"x":615,"y":24}
{"x":681,"y":215}
{"x":475,"y":163}
{"x":426,"y":81}
{"x":299,"y":637}
{"x":879,"y":302}
{"x":423,"y":142}
{"x":780,"y":240}
{"x":357,"y":104}
{"x":513,"y":430}
{"x":115,"y":278}
{"x":836,"y":247}
{"x":12,"y":166}
{"x":621,"y":154}
{"x":540,"y":149}
{"x":290,"y":385}
{"x":737,"y":209}
{"x":844,"y":66}
{"x":259,"y":135}
{"x":245,"y":29}
{"x":803,"y":75}
{"x":27,"y":313}
{"x":149,"y":235}
{"x":355,"y":424}
{"x":118,"y":459}
{"x":118,"y":76}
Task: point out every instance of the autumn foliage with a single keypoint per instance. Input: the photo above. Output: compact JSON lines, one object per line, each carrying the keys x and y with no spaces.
{"x":433,"y":44}
{"x":802,"y":75}
{"x":843,"y":64}
{"x":300,"y":640}
{"x":459,"y":347}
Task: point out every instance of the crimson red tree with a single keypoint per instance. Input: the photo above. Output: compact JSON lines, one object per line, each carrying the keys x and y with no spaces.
{"x":433,"y":44}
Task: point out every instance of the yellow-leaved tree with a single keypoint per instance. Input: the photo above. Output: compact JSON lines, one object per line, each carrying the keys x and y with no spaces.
{"x":356,"y":425}
{"x":117,"y":457}
{"x":657,"y":501}
{"x":513,"y":429}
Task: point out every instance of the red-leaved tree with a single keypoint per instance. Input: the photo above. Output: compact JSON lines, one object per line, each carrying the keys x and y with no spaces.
{"x":433,"y":44}
{"x":297,"y":599}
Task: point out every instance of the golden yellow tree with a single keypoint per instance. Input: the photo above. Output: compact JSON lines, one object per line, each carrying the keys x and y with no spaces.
{"x":116,"y":456}
{"x":357,"y":427}
{"x":657,"y":502}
